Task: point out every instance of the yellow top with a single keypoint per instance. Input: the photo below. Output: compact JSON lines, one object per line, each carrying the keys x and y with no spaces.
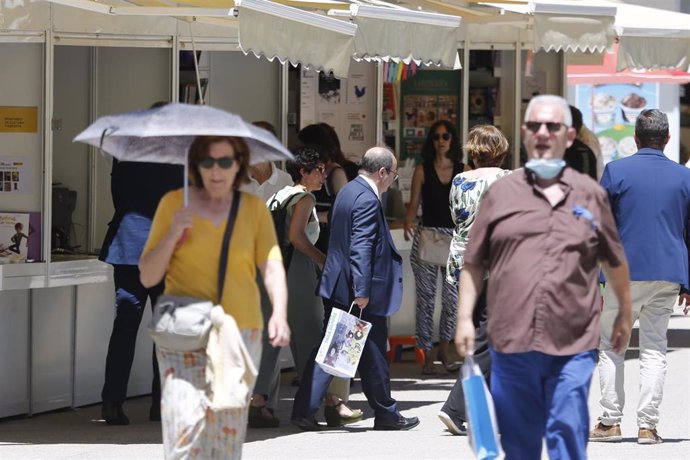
{"x":193,"y":269}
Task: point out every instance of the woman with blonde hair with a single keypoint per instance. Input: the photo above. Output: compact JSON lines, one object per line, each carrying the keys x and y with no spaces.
{"x":184,"y":247}
{"x":486,"y":148}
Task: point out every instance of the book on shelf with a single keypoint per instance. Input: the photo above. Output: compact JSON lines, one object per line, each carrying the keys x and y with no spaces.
{"x":189,"y":92}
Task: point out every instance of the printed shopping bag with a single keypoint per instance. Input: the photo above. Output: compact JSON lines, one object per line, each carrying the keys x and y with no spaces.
{"x":343,"y":343}
{"x":482,"y":426}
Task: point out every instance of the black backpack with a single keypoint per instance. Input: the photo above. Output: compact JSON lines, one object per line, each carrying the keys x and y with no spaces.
{"x":279,"y":215}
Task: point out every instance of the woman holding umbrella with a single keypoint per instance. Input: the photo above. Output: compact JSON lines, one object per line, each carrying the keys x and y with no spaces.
{"x":183,"y":247}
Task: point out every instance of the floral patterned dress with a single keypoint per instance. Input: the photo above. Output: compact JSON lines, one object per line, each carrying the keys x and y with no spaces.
{"x":191,"y":429}
{"x":465,"y":195}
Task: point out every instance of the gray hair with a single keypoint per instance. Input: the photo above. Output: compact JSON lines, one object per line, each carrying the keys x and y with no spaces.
{"x":550,"y":99}
{"x":376,"y":158}
{"x":651,"y":128}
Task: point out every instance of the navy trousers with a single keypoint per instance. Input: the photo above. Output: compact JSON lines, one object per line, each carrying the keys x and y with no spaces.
{"x":130,"y":301}
{"x":373,"y":369}
{"x":541,"y":396}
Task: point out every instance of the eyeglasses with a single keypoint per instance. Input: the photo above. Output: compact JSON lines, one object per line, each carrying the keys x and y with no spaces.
{"x":390,"y":171}
{"x":444,"y":136}
{"x":222,"y":162}
{"x":320,"y":169}
{"x":551,"y":126}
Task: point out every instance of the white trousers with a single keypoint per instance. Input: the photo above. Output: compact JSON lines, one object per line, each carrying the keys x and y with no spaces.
{"x":652,"y":304}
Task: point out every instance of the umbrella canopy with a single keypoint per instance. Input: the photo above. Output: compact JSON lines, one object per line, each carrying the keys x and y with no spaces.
{"x":164,"y":134}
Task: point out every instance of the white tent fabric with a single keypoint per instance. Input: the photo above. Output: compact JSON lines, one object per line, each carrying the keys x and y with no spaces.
{"x":651,"y":38}
{"x":556,"y":32}
{"x":391,"y":35}
{"x":638,"y":53}
{"x":582,"y":26}
{"x":300,"y":37}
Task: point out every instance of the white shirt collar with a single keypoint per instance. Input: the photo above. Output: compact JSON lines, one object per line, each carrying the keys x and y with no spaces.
{"x":372,"y":184}
{"x":273,"y":178}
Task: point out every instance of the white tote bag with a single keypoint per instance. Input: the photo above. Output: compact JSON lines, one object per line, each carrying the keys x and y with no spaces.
{"x":343,"y":343}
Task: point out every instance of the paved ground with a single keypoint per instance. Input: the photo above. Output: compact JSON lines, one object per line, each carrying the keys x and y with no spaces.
{"x":78,"y":434}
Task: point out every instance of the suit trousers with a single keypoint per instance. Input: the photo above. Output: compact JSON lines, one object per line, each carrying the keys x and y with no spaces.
{"x":373,"y":369}
{"x":652,"y":304}
{"x":305,"y":315}
{"x":455,"y":404}
{"x":130,"y":301}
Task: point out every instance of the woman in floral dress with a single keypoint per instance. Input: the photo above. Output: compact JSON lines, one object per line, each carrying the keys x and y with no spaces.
{"x":486,"y":147}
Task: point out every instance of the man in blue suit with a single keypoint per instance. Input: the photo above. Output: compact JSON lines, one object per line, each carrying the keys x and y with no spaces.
{"x":650,"y":200}
{"x":362,"y":266}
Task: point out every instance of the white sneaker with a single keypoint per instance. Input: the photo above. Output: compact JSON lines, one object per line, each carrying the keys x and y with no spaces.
{"x":458,"y":430}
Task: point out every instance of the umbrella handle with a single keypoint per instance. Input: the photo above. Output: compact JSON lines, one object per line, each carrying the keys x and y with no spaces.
{"x":182,"y":239}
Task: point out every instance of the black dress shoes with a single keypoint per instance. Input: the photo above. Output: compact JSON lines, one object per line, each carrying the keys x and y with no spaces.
{"x":113,"y":414}
{"x":403,"y":423}
{"x":155,"y":413}
{"x":306,"y":424}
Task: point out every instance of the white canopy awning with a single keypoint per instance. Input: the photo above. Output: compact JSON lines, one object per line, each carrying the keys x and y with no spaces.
{"x":561,"y":25}
{"x":300,"y":37}
{"x":651,"y":38}
{"x":405,"y":35}
{"x":572,"y":27}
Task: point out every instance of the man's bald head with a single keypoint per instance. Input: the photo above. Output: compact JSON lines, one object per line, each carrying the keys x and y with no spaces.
{"x":376,"y":158}
{"x":379,"y":165}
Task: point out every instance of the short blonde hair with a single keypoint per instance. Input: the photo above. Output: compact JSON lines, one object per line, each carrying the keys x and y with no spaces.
{"x":486,"y":146}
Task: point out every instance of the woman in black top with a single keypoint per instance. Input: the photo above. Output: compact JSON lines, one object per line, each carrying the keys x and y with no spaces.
{"x":431,"y":186}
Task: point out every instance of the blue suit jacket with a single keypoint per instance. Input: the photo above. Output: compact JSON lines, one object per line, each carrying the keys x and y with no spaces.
{"x":650,"y":200}
{"x":362,"y":260}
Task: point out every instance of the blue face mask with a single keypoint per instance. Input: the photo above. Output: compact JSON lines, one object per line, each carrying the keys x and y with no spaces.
{"x":546,"y":168}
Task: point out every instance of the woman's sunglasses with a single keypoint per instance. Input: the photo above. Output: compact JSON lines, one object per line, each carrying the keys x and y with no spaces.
{"x":444,"y":136}
{"x":222,"y":162}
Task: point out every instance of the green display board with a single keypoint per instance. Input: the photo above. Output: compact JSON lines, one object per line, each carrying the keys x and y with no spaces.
{"x":425,"y":98}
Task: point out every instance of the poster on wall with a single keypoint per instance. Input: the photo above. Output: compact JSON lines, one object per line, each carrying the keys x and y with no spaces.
{"x":14,"y":237}
{"x":426,"y":98}
{"x":610,"y":111}
{"x":16,"y":175}
{"x":347,"y":104}
{"x":329,"y":89}
{"x":357,"y":89}
{"x":307,"y":98}
{"x":356,"y":127}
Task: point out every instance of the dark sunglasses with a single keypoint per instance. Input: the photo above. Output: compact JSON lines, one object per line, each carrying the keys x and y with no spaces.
{"x":551,"y":126}
{"x":222,"y":162}
{"x":444,"y":136}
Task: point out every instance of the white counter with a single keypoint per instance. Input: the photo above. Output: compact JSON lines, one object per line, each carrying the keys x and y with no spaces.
{"x":55,"y":323}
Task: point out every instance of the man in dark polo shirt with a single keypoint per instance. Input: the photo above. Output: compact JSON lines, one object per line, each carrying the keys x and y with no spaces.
{"x":542,"y":232}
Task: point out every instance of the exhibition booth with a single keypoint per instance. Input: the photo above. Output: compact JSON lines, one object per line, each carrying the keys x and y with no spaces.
{"x":68,"y":65}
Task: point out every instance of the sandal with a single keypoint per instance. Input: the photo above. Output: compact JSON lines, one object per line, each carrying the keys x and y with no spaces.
{"x":450,"y":367}
{"x":258,"y":419}
{"x":334,"y":419}
{"x":429,"y":369}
